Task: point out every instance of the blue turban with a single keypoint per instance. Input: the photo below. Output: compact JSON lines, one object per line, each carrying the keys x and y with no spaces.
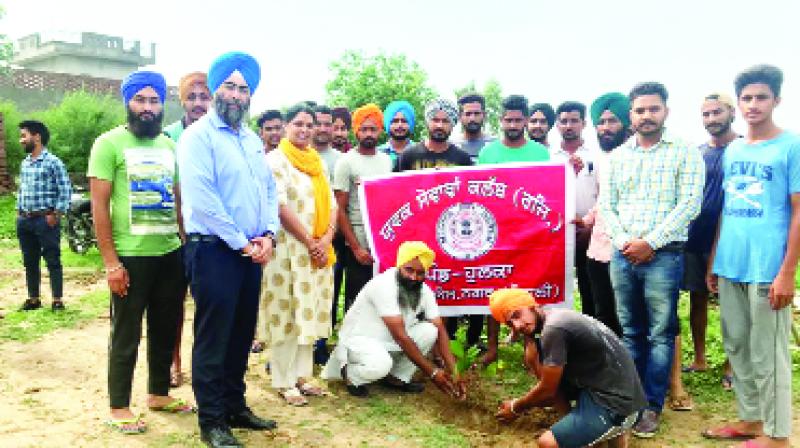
{"x":137,"y":81}
{"x":614,"y":102}
{"x":398,"y":106}
{"x":223,"y":66}
{"x":444,"y":105}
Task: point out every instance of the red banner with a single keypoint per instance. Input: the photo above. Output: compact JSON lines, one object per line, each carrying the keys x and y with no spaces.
{"x":491,"y":227}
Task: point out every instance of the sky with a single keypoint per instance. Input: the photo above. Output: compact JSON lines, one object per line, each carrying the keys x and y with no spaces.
{"x":548,"y":51}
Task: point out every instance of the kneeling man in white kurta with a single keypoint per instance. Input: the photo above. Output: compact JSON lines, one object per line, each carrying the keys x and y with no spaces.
{"x":390,"y":329}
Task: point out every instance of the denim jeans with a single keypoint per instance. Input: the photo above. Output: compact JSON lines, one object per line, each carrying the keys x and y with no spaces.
{"x":38,"y":240}
{"x":647,"y":307}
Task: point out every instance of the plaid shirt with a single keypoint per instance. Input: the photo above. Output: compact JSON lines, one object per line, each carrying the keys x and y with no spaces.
{"x":43,"y":184}
{"x":652,"y":193}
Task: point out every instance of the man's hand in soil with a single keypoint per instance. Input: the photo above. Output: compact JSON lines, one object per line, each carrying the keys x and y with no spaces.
{"x":444,"y":382}
{"x":505,"y":413}
{"x":118,"y":281}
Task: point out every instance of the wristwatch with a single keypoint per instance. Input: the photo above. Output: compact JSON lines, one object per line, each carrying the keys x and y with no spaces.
{"x":272,"y":237}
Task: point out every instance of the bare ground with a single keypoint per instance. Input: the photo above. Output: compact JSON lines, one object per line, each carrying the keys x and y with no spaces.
{"x":53,"y":394}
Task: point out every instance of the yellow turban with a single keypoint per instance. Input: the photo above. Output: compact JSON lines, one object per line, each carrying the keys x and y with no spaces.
{"x":187,"y":81}
{"x":415,"y":249}
{"x":504,"y":301}
{"x":367,"y":111}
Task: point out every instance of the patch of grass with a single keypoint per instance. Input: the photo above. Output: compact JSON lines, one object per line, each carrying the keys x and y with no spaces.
{"x":178,"y":439}
{"x":8,"y":216}
{"x":11,"y":257}
{"x":401,"y":420}
{"x":26,"y":326}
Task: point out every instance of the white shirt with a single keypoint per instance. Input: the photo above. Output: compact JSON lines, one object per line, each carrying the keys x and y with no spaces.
{"x":379,"y":299}
{"x":586,"y":184}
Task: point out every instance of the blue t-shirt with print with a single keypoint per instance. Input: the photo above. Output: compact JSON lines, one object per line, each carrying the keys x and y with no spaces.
{"x":759,"y":179}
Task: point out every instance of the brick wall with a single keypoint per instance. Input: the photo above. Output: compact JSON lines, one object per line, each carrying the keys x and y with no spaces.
{"x":6,"y":183}
{"x":37,"y":80}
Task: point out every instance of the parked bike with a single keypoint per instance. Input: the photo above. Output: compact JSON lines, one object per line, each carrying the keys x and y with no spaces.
{"x":80,"y":227}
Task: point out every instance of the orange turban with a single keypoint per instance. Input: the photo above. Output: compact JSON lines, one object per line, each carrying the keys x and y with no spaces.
{"x":503,"y":301}
{"x":187,"y":81}
{"x":410,"y":250}
{"x":367,"y":111}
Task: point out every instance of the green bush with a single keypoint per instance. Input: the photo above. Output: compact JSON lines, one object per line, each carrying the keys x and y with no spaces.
{"x":76,"y":122}
{"x":8,"y":216}
{"x":11,"y":119}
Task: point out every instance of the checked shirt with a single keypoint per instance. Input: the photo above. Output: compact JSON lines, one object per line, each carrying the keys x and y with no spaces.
{"x":43,"y":184}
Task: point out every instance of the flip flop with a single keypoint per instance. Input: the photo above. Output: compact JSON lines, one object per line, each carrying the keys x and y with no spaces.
{"x":310,"y":390}
{"x":176,"y":406}
{"x":681,"y":403}
{"x":727,"y":382}
{"x":293,"y":397}
{"x":726,"y":432}
{"x":133,"y":425}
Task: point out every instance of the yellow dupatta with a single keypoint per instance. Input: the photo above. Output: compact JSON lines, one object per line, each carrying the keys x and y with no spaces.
{"x":309,"y":162}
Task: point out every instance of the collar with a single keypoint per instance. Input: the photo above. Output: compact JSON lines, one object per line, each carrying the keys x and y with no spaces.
{"x":42,"y":155}
{"x":217,"y":122}
{"x":666,"y":139}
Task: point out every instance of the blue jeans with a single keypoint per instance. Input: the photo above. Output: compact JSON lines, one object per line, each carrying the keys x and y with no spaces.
{"x":647,"y":307}
{"x":38,"y":240}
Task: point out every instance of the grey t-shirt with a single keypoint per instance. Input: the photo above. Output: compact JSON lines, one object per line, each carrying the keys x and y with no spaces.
{"x":350,"y":169}
{"x":473,"y":147}
{"x":330,"y":156}
{"x":594,"y":360}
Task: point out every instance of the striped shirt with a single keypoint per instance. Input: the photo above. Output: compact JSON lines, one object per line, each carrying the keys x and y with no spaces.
{"x":43,"y":184}
{"x":652,"y":193}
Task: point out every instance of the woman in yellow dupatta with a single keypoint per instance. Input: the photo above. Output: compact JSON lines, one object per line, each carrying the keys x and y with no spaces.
{"x":296,"y":290}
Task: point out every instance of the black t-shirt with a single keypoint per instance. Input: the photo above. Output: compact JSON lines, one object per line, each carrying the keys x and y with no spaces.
{"x":594,"y":360}
{"x":419,"y":157}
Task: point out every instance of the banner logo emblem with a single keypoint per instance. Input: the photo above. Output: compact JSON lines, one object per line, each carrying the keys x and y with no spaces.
{"x":466,"y":231}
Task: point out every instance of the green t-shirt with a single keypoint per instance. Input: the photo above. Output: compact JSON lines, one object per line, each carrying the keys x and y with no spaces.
{"x":497,"y":152}
{"x":142,"y":173}
{"x":174,"y":130}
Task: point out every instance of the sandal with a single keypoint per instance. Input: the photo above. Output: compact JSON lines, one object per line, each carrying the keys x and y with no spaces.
{"x":293,"y":397}
{"x":133,"y":425}
{"x":175,"y":378}
{"x":310,"y":390}
{"x":58,"y":305}
{"x":176,"y":406}
{"x":727,"y":432}
{"x":727,"y":382}
{"x":681,"y":403}
{"x":31,"y":304}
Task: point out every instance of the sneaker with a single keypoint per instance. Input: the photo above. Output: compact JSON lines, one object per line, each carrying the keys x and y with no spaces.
{"x":647,"y":425}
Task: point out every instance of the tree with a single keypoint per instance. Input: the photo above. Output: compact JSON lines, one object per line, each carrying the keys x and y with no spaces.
{"x":76,"y":122}
{"x":6,"y":50}
{"x":493,"y":94}
{"x":379,"y":79}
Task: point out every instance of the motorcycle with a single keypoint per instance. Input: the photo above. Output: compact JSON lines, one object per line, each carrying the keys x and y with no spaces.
{"x":79,"y":225}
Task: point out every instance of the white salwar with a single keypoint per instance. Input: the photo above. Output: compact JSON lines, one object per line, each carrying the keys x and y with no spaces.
{"x":367,"y":347}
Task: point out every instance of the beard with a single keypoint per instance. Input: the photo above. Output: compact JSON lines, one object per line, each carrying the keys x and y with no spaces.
{"x":145,"y":127}
{"x":368,"y":143}
{"x":338,"y":142}
{"x":514,"y":135}
{"x":398,"y":135}
{"x":439,"y":136}
{"x":28,"y":147}
{"x":658,"y":127}
{"x":718,"y":129}
{"x":321,"y":140}
{"x":610,"y":141}
{"x":409,"y":291}
{"x":537,"y":138}
{"x":231,"y":117}
{"x":473,"y":128}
